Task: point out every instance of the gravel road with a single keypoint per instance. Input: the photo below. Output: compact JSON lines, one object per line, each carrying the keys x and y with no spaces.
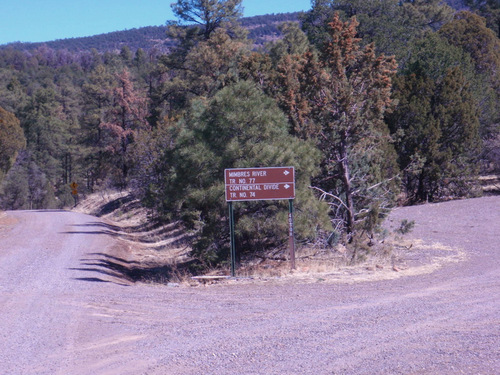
{"x":61,"y":312}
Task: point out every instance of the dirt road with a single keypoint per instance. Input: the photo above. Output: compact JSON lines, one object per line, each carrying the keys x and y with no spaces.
{"x":62,"y":313}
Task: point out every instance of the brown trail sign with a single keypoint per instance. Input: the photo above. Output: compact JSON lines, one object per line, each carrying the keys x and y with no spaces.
{"x":74,"y":187}
{"x":268,"y":183}
{"x":246,"y":184}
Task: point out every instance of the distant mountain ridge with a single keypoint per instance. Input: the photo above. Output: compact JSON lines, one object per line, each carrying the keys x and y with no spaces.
{"x":261,"y":29}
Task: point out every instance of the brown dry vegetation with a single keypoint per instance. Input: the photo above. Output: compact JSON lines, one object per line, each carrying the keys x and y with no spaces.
{"x":6,"y":222}
{"x":490,"y":184}
{"x":160,"y":253}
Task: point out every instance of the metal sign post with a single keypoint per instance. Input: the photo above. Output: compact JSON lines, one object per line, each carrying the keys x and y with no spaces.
{"x":291,"y":239}
{"x":233,"y":246}
{"x":248,"y":184}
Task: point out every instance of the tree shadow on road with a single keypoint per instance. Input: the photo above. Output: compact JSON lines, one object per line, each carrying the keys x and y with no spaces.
{"x":122,"y":270}
{"x":92,"y":279}
{"x":152,"y":234}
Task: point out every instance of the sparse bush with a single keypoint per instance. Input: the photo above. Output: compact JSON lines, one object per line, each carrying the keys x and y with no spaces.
{"x":405,"y":227}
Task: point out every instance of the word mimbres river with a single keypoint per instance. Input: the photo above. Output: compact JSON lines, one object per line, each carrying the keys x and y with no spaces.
{"x":248,"y":174}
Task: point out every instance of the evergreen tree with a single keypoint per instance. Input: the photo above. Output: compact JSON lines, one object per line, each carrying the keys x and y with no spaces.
{"x":390,"y":24}
{"x":338,"y":98}
{"x":427,"y":14}
{"x":204,"y":59}
{"x":294,"y":42}
{"x":488,"y":9}
{"x":469,"y":31}
{"x":212,"y":64}
{"x":437,"y":126}
{"x":143,"y":64}
{"x":47,"y":132}
{"x":122,"y":120}
{"x":126,"y":55}
{"x":14,"y":96}
{"x":434,"y":55}
{"x":97,"y":100}
{"x":11,"y":140}
{"x":26,"y":186}
{"x":239,"y":127}
{"x":208,"y":15}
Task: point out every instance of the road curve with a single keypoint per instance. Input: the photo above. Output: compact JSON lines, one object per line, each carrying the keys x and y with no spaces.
{"x":62,"y":313}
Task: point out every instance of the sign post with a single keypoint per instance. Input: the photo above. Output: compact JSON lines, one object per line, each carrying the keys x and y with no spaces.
{"x":291,"y":239}
{"x":269,"y":183}
{"x":233,"y":246}
{"x":74,"y":191}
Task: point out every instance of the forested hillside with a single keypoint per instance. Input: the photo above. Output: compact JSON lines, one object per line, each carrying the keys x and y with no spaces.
{"x":374,"y":103}
{"x":261,"y":29}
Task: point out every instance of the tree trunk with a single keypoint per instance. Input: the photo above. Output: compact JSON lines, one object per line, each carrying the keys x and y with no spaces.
{"x":346,"y":181}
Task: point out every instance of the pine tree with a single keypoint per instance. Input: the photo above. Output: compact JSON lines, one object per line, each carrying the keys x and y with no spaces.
{"x":11,"y":140}
{"x":121,"y":122}
{"x":490,"y":10}
{"x":338,"y":97}
{"x":208,"y":15}
{"x":437,"y":126}
{"x":97,"y":100}
{"x":469,"y":31}
{"x":239,"y":127}
{"x":390,"y":24}
{"x":47,"y":132}
{"x":26,"y":186}
{"x":205,"y":57}
{"x":294,"y":42}
{"x":212,"y":64}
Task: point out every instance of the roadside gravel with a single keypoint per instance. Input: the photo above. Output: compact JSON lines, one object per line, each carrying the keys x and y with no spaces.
{"x":62,"y":312}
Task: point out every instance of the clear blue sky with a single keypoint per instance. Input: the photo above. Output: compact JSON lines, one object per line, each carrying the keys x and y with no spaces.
{"x":46,"y":20}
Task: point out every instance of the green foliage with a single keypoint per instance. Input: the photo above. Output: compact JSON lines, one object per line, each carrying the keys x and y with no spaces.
{"x":11,"y":140}
{"x":212,"y":64}
{"x":97,"y":99}
{"x":405,"y":227}
{"x":152,"y":152}
{"x":434,"y":55}
{"x":390,"y":24}
{"x":208,"y":15}
{"x":65,"y":197}
{"x":337,"y":98}
{"x":427,"y":14}
{"x":15,"y":190}
{"x":469,"y":32}
{"x":26,"y":186}
{"x":239,"y":127}
{"x":47,"y":133}
{"x":488,"y":9}
{"x":437,"y":126}
{"x":294,"y":42}
{"x":205,"y":58}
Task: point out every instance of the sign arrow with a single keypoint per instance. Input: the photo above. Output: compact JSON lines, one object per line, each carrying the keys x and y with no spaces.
{"x":286,"y":173}
{"x":287,"y":186}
